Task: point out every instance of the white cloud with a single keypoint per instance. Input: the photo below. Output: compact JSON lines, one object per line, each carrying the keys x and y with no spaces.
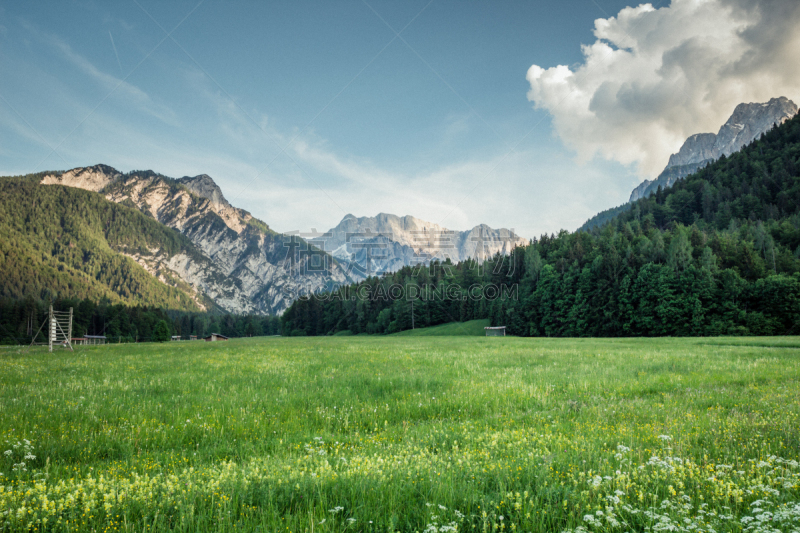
{"x":655,"y":76}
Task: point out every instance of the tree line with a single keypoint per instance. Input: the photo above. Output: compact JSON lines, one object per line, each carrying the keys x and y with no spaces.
{"x":413,"y":296}
{"x":20,"y":320}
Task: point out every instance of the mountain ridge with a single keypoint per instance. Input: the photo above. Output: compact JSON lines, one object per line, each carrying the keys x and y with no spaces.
{"x":387,"y":242}
{"x":240,"y":265}
{"x":747,"y":122}
{"x":249,"y":267}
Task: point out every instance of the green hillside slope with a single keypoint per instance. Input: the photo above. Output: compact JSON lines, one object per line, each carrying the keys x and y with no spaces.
{"x":61,"y":241}
{"x":603,"y":217}
{"x":471,"y":328}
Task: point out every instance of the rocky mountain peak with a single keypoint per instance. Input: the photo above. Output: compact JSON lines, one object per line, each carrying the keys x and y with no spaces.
{"x":94,"y":178}
{"x":205,"y":187}
{"x":698,"y":147}
{"x":747,"y":122}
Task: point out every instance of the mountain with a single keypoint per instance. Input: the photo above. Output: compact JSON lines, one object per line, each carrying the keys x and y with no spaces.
{"x":239,"y":264}
{"x":748,"y":122}
{"x":386,"y":243}
{"x":717,"y":253}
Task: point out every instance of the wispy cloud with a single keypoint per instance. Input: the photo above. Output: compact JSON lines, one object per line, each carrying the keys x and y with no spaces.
{"x":116,"y":54}
{"x":131,"y":94}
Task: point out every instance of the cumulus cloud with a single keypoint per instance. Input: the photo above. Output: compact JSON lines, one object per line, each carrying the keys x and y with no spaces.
{"x":655,"y":76}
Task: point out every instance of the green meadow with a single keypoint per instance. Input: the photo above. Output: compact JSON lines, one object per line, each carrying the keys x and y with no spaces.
{"x":403,"y":433}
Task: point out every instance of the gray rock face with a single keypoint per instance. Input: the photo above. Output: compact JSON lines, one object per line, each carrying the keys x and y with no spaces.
{"x":204,"y":187}
{"x":747,"y":123}
{"x":696,"y":149}
{"x":386,"y":243}
{"x":237,"y":261}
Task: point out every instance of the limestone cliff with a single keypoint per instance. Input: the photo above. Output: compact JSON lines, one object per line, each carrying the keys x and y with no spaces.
{"x":747,"y":123}
{"x":386,"y":243}
{"x":240,"y":264}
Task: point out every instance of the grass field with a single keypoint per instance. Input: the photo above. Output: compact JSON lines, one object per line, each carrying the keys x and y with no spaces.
{"x":435,"y":434}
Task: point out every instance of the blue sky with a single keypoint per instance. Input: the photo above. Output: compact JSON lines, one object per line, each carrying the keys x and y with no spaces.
{"x":305,"y":111}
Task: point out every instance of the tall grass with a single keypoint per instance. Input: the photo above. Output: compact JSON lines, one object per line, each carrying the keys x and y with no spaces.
{"x":403,"y":433}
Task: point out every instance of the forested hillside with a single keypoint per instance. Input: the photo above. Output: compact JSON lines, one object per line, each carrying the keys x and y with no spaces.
{"x":62,"y":241}
{"x":715,"y":254}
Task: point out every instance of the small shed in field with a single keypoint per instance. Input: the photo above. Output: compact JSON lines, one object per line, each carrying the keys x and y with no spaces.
{"x":175,"y":338}
{"x":498,"y":331}
{"x":215,"y":337}
{"x":89,"y":339}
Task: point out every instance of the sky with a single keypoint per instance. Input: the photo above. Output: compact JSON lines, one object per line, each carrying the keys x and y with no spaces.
{"x":532,"y":115}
